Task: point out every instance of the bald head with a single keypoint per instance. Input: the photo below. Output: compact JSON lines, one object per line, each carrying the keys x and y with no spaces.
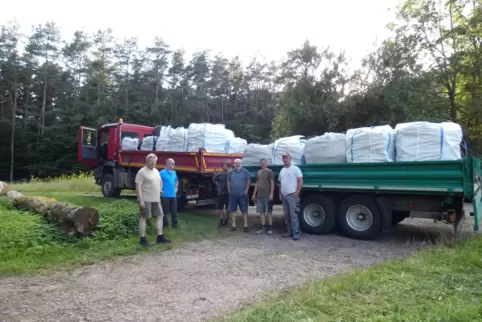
{"x":170,"y":163}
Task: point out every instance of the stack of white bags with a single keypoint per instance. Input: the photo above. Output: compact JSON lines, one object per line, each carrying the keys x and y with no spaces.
{"x":172,"y":139}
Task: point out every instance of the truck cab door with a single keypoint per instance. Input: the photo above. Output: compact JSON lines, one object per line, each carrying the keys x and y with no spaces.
{"x":87,"y":147}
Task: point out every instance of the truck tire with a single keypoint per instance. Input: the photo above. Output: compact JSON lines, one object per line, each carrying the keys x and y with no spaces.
{"x":108,"y":190}
{"x":359,"y":217}
{"x":398,"y":216}
{"x":317,"y":214}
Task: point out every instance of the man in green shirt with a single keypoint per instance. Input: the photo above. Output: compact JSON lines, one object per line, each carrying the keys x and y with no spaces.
{"x":263,"y":194}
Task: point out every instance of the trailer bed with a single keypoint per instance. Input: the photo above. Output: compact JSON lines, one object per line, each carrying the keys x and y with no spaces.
{"x":461,"y":178}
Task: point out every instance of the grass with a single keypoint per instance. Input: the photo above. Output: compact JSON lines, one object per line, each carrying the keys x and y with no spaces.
{"x":443,"y":283}
{"x":83,"y":183}
{"x":29,"y":244}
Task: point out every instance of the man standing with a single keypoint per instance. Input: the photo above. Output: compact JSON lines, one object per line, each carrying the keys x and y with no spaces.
{"x":148,"y":188}
{"x":169,"y":193}
{"x":221,"y":180}
{"x":263,"y":194}
{"x":238,"y":187}
{"x":291,"y":181}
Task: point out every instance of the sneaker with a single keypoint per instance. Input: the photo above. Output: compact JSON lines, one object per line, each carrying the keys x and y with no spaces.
{"x":270,"y":231}
{"x":245,"y":229}
{"x":144,"y":242}
{"x":221,"y":223}
{"x":225,"y":222}
{"x":296,"y":237}
{"x":232,"y":229}
{"x":262,"y":230}
{"x":162,"y":240}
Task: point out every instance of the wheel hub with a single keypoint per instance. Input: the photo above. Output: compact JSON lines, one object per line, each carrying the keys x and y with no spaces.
{"x":314,"y":215}
{"x":359,"y":218}
{"x":107,"y":186}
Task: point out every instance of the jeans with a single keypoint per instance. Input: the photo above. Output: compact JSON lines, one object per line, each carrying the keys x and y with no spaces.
{"x":241,"y":201}
{"x":291,"y":208}
{"x":169,"y":205}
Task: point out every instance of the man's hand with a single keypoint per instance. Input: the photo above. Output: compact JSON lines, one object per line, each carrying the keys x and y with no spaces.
{"x":253,"y":197}
{"x":296,"y":193}
{"x":246,"y":193}
{"x":142,"y":204}
{"x":271,"y":197}
{"x":280,"y":196}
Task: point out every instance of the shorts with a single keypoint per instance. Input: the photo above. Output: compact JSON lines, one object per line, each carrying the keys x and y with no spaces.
{"x":152,"y":209}
{"x":241,"y":201}
{"x":222,"y":202}
{"x":262,"y":205}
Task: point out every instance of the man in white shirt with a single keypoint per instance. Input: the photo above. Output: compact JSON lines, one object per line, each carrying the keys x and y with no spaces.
{"x":148,"y":189}
{"x":290,"y":183}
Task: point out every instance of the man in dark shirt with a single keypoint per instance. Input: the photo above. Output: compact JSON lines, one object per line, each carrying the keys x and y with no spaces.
{"x":221,"y":180}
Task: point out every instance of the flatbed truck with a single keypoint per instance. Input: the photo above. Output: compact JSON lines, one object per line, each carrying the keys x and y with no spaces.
{"x":366,"y":199}
{"x":115,"y":169}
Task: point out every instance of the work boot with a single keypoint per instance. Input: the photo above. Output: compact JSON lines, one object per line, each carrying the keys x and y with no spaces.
{"x":162,"y":240}
{"x":270,"y":231}
{"x":144,"y":242}
{"x":221,"y":223}
{"x":232,"y":229}
{"x":262,"y":230}
{"x":225,"y":222}
{"x":245,"y":229}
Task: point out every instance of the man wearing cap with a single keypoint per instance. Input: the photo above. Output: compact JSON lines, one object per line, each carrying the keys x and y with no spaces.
{"x":290,"y":182}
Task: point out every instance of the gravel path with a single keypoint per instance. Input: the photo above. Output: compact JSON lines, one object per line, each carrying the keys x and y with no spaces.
{"x":198,"y":280}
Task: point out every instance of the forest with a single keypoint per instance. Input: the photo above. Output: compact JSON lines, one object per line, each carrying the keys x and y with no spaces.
{"x":429,"y":69}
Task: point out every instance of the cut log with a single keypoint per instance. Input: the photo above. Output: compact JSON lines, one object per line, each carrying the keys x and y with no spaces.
{"x":71,"y":219}
{"x":3,"y":188}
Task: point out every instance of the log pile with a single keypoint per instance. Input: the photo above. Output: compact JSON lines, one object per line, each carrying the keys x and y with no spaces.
{"x":72,"y":220}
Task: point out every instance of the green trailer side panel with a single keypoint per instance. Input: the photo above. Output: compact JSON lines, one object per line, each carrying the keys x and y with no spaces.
{"x":429,"y":177}
{"x":476,"y":173}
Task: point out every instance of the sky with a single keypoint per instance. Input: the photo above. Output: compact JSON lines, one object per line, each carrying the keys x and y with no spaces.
{"x":264,"y":28}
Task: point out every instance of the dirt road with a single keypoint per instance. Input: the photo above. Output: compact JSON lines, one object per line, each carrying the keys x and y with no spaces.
{"x":198,"y":280}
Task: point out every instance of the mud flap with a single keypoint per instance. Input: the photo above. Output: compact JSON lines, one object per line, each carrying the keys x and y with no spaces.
{"x":386,"y":211}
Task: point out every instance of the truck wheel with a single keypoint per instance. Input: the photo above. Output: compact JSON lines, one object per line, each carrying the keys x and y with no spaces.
{"x":108,"y":190}
{"x":317,"y":214}
{"x":359,"y":217}
{"x":398,"y":216}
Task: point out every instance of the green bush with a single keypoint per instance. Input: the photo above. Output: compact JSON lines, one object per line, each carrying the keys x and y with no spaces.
{"x":118,"y":219}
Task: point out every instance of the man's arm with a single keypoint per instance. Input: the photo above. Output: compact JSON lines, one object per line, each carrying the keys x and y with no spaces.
{"x":177,"y":183}
{"x":255,"y":187}
{"x":139,"y":180}
{"x":160,"y":181}
{"x":279,"y":186}
{"x":215,"y":178}
{"x":229,"y":183}
{"x":299,"y":179}
{"x":271,"y":182}
{"x":248,"y":181}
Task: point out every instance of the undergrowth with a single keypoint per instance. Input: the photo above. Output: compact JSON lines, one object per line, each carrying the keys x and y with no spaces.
{"x":82,"y":183}
{"x":28,"y":243}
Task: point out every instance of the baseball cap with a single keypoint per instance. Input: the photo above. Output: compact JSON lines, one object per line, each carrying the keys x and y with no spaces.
{"x":286,"y":154}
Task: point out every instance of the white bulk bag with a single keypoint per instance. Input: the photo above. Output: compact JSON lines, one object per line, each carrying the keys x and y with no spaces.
{"x":370,"y":144}
{"x":254,"y":152}
{"x":236,"y":145}
{"x":425,"y":141}
{"x":327,"y":148}
{"x":212,"y":137}
{"x":178,"y":140}
{"x":129,"y":144}
{"x":294,"y":145}
{"x":149,"y":143}
{"x":164,"y":138}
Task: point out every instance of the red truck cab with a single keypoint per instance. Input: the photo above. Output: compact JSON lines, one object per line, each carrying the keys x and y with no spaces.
{"x":115,"y":169}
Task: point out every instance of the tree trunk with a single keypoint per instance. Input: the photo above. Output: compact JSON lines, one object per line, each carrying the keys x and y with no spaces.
{"x":12,"y":133}
{"x":72,"y":220}
{"x":44,"y":103}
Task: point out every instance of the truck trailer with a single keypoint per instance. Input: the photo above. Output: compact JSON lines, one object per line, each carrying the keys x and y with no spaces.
{"x":365,"y":199}
{"x":116,"y":169}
